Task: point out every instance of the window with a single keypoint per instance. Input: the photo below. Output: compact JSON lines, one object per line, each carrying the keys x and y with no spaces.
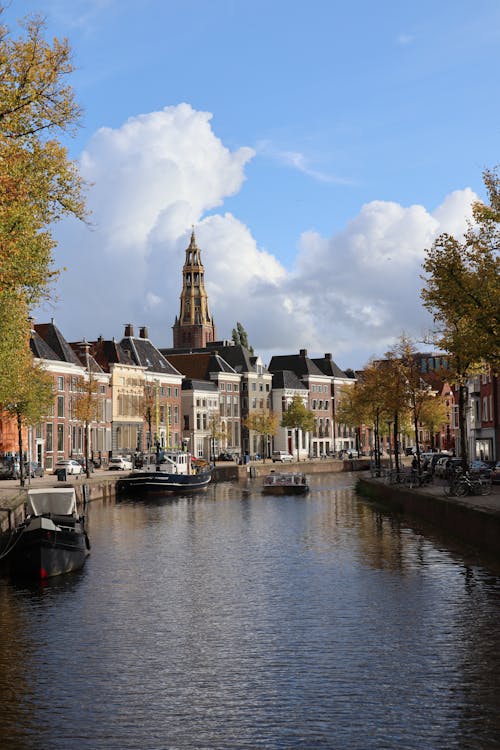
{"x":176,"y":415}
{"x":186,"y":421}
{"x":60,"y":383}
{"x":60,"y":406}
{"x":49,"y":437}
{"x":229,"y":386}
{"x":60,"y":437}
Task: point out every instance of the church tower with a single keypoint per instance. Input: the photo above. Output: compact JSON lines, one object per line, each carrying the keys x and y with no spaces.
{"x":194,"y":327}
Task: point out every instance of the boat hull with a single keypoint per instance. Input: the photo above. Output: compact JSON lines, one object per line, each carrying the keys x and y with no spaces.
{"x":162,"y":482}
{"x":285,"y":489}
{"x":43,"y":553}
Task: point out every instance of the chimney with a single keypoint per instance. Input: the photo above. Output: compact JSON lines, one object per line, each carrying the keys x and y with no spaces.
{"x":129,"y":329}
{"x":143,"y":332}
{"x":328,"y":357}
{"x":303,"y":352}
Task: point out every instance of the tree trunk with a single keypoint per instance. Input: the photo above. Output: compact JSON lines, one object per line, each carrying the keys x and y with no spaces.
{"x":20,"y":446}
{"x":396,"y":443}
{"x":462,"y":425}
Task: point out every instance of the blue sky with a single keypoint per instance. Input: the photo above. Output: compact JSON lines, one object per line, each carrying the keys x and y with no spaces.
{"x":317,"y":147}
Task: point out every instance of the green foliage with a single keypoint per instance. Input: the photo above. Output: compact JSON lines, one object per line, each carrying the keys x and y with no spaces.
{"x":264,"y":423}
{"x":240,"y":337}
{"x":38,"y":183}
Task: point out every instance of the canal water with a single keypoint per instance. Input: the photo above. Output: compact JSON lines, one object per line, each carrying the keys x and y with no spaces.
{"x":232,"y":620}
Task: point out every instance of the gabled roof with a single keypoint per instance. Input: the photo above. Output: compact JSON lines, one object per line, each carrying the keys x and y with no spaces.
{"x":286,"y":379}
{"x":189,"y":384}
{"x":86,"y":358}
{"x":53,"y":337}
{"x":108,"y":352}
{"x":145,"y":354}
{"x":239,"y":357}
{"x":199,"y":366}
{"x":300,"y":364}
{"x":40,"y":349}
{"x":329,"y":367}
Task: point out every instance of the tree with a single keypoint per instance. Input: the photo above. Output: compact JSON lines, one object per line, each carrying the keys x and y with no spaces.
{"x":462,"y":289}
{"x":433,"y":415}
{"x":38,"y":183}
{"x":31,"y":400}
{"x":265,"y":423}
{"x":240,"y":337}
{"x":298,"y":417}
{"x":216,"y":431}
{"x":85,"y":409}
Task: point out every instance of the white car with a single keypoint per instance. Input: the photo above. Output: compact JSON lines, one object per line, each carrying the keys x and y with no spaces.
{"x":281,"y":456}
{"x":70,"y":466}
{"x":119,"y":463}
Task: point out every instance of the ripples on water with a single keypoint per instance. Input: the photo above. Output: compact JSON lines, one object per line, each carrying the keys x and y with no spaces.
{"x":233,"y":620}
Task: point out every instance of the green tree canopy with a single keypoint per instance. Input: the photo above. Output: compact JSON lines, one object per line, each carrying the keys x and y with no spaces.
{"x":298,"y":417}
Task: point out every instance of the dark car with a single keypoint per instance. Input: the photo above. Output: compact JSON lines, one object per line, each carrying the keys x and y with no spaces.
{"x":495,"y":473}
{"x":9,"y":468}
{"x":225,"y":457}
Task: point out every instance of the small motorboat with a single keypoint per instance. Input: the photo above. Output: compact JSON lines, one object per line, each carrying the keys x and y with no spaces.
{"x":285,"y":483}
{"x":52,"y":538}
{"x":166,"y":472}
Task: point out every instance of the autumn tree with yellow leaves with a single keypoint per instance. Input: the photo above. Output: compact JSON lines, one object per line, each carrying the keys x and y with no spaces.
{"x":39,"y":184}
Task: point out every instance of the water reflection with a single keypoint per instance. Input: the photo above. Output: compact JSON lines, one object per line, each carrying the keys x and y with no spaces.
{"x":234,"y":620}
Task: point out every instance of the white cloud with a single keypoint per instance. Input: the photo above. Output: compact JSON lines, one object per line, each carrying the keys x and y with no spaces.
{"x":351,"y":294}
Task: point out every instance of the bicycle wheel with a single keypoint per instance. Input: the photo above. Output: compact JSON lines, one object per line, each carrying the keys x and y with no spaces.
{"x":461,"y":489}
{"x":449,"y":490}
{"x":485,"y":488}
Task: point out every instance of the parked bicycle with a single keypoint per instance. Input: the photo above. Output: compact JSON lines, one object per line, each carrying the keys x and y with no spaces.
{"x":461,"y":484}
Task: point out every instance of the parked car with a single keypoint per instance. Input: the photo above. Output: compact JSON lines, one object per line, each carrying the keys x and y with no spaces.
{"x":119,"y":463}
{"x":281,"y":456}
{"x":70,"y":466}
{"x":481,"y":467}
{"x":9,"y":468}
{"x":495,"y":473}
{"x":33,"y":469}
{"x":225,"y":457}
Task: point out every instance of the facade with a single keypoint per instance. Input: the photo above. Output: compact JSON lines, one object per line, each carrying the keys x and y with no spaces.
{"x":161,"y":394}
{"x":200,"y":418}
{"x":212,"y":368}
{"x":194,"y":326}
{"x":286,"y":385}
{"x":61,"y":435}
{"x":319,"y":398}
{"x":344,"y":439}
{"x":255,"y":391}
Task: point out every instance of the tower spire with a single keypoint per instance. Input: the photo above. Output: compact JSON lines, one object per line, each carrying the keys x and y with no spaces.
{"x":194,"y":327}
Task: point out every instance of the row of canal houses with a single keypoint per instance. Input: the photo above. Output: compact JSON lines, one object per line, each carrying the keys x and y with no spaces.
{"x":202,"y":381}
{"x":220,"y":384}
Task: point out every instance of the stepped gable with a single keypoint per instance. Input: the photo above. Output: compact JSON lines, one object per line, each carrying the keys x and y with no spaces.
{"x":40,"y":349}
{"x":329,"y":367}
{"x":287,"y":380}
{"x":199,"y":366}
{"x":299,"y":363}
{"x":144,"y":353}
{"x":53,"y":337}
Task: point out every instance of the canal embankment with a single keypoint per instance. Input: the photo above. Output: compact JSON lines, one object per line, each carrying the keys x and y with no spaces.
{"x":474,"y":520}
{"x":101,"y":483}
